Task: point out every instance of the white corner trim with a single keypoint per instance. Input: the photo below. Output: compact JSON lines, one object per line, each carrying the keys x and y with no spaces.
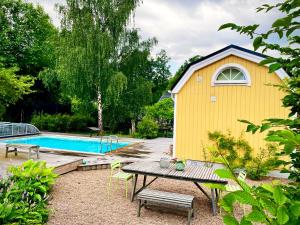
{"x":234,"y":65}
{"x":232,"y":51}
{"x":174,"y":126}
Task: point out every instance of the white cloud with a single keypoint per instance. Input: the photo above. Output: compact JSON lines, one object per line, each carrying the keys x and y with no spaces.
{"x":185,"y":28}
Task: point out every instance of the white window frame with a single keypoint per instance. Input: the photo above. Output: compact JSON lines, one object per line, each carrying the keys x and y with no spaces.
{"x":215,"y":82}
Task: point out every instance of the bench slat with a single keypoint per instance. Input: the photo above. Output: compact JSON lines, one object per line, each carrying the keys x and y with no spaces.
{"x":166,"y":197}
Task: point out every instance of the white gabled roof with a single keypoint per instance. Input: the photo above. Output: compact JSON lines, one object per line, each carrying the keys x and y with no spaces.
{"x":227,"y":51}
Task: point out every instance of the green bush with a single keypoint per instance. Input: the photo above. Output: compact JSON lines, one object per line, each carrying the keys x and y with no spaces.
{"x":62,"y":122}
{"x":147,"y":128}
{"x":23,"y":196}
{"x":236,"y":151}
{"x":163,"y":113}
{"x":263,"y":163}
{"x":239,"y":154}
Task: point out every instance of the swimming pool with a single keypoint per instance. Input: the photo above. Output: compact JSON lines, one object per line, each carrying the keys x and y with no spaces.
{"x":69,"y":143}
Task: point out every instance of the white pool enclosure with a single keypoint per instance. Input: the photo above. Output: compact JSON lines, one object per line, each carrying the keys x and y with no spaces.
{"x":8,"y":129}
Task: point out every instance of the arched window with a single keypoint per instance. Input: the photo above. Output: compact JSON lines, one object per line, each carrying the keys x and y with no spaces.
{"x":231,"y":74}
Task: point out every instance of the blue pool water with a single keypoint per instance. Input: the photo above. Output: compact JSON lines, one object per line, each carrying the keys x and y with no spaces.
{"x":69,"y":144}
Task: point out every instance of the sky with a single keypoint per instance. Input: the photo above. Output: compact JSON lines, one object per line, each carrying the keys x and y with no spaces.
{"x":185,"y":28}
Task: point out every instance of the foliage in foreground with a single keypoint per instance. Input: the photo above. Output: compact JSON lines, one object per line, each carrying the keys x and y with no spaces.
{"x":274,"y":203}
{"x":61,"y":122}
{"x":23,"y":196}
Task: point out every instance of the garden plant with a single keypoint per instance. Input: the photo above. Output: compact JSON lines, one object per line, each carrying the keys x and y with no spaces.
{"x":24,"y":194}
{"x":275,"y":203}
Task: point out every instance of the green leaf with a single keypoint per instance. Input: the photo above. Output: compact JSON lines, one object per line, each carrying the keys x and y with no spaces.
{"x":295,"y":209}
{"x":282,"y":22}
{"x":273,"y":67}
{"x":265,"y":127}
{"x":267,"y":61}
{"x":245,"y":121}
{"x":228,"y":25}
{"x":256,"y":216}
{"x":230,"y":220}
{"x":257,"y":42}
{"x":289,"y":148}
{"x":279,"y":197}
{"x":282,"y":215}
{"x":38,"y":197}
{"x":245,"y":198}
{"x":280,"y":33}
{"x":244,"y":221}
{"x":269,"y":206}
{"x":223,"y":173}
{"x":252,"y":128}
{"x":291,"y":30}
{"x":268,"y":187}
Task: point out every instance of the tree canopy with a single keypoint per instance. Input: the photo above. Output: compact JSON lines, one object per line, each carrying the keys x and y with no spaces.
{"x":26,"y":35}
{"x":93,"y":33}
{"x":181,"y":69}
{"x":12,"y":87}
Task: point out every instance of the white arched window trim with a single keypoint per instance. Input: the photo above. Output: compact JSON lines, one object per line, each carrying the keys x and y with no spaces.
{"x":247,"y":82}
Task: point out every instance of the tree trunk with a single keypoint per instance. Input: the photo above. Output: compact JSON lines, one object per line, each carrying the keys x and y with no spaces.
{"x":133,"y":126}
{"x":100,"y":119}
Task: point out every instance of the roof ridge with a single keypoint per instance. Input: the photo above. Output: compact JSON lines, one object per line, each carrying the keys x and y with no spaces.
{"x":215,"y":53}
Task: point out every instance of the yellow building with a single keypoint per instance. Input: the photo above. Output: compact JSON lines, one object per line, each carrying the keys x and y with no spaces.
{"x":217,"y":90}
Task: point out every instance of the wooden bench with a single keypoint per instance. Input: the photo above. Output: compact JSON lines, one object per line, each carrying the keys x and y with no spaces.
{"x":31,"y":149}
{"x":166,"y":198}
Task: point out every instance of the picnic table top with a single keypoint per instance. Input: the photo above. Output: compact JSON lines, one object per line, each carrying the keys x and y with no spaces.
{"x":193,"y":173}
{"x":27,"y":146}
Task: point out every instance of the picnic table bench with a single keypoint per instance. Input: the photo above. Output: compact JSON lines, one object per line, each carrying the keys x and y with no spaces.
{"x":167,"y":198}
{"x":193,"y":173}
{"x":31,"y":149}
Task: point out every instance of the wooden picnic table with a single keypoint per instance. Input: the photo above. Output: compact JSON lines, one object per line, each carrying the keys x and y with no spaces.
{"x":192,"y":173}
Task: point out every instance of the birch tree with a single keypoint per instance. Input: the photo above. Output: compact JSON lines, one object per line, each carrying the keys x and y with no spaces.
{"x":92,"y":33}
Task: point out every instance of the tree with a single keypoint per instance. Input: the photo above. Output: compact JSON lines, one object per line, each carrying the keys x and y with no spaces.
{"x":92,"y":36}
{"x":12,"y":87}
{"x":147,"y":77}
{"x":274,"y":203}
{"x":160,"y":74}
{"x":181,"y":69}
{"x":26,"y":35}
{"x":163,"y":113}
{"x":27,"y":41}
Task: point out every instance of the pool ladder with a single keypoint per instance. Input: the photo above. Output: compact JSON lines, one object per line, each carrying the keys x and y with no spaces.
{"x":109,"y":140}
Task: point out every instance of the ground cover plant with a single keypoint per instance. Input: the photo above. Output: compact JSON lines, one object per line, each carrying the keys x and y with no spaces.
{"x":24,"y":194}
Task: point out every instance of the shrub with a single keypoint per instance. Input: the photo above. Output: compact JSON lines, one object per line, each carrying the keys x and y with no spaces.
{"x":239,"y":154}
{"x":163,"y":113}
{"x":147,"y":128}
{"x":23,"y":196}
{"x":263,"y":163}
{"x":236,"y":151}
{"x":61,"y":122}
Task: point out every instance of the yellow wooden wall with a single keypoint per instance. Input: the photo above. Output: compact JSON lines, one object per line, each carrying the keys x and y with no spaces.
{"x":196,"y":114}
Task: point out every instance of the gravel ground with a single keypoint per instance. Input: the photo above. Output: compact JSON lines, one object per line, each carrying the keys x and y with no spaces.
{"x":81,"y":198}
